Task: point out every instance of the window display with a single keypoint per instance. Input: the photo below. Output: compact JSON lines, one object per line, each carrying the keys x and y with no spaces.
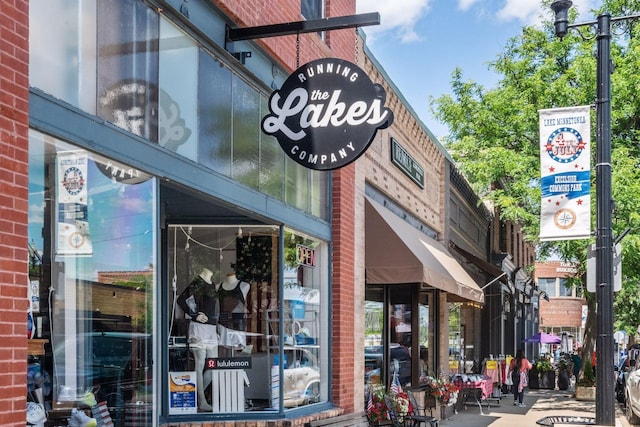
{"x":234,"y":330}
{"x":92,"y":278}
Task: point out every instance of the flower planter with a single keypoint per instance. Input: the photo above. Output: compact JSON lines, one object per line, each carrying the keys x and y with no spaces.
{"x":446,"y":411}
{"x":586,"y":393}
{"x":548,"y":380}
{"x":430,"y":402}
{"x":534,"y":379}
{"x":563,"y":379}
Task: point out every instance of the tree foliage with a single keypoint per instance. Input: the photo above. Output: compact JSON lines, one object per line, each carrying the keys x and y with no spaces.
{"x":494,"y":132}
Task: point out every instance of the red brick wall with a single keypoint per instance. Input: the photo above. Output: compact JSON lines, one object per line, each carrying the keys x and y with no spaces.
{"x":558,"y":311}
{"x":14,"y":122}
{"x":561,"y":312}
{"x":337,"y":44}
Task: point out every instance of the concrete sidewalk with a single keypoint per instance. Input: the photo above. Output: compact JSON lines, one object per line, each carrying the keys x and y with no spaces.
{"x":540,"y":403}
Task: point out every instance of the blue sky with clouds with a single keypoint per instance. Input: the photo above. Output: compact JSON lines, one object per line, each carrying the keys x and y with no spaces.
{"x":419,"y":43}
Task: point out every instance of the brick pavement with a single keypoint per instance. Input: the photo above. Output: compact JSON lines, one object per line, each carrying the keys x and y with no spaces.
{"x":540,"y":403}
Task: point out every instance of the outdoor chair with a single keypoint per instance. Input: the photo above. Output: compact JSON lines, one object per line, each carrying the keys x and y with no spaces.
{"x":417,"y":415}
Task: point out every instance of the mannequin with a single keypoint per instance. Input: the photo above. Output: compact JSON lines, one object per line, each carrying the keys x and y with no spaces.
{"x":201,"y":305}
{"x":233,"y":299}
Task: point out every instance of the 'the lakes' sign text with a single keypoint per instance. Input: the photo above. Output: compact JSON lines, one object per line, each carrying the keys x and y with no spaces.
{"x":326,"y":114}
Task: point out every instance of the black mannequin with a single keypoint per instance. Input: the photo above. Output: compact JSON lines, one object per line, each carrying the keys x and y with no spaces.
{"x":200,"y":303}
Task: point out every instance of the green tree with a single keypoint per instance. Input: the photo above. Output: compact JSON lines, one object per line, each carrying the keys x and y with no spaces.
{"x":494,"y":136}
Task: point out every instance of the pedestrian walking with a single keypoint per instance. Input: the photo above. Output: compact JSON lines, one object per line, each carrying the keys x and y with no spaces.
{"x":519,"y":369}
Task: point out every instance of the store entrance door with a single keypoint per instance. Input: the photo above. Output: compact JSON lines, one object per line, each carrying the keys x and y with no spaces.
{"x":399,"y":335}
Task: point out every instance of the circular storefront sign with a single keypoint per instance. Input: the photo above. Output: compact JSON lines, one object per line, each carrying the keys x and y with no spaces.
{"x":326,"y":114}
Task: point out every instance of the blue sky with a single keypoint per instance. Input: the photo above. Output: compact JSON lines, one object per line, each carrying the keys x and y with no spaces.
{"x":419,"y":43}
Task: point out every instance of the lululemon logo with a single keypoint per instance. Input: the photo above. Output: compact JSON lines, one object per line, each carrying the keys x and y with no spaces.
{"x":326,"y":114}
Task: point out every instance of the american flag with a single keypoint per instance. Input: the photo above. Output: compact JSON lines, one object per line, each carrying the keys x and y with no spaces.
{"x":370,"y":403}
{"x":395,"y":384}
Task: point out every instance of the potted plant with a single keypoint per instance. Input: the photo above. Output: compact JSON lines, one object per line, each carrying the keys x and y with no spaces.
{"x":377,"y":412}
{"x":442,"y":394}
{"x":563,"y":371}
{"x":586,"y":384}
{"x":534,"y":379}
{"x":378,"y":406}
{"x":431,"y":388}
{"x":547,"y":374}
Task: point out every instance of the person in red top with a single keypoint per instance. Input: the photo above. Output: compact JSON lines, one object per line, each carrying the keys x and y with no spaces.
{"x":519,"y":368}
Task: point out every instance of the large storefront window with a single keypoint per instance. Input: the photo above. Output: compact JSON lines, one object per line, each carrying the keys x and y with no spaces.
{"x":394,"y":322}
{"x":92,"y":278}
{"x":131,"y":66}
{"x":234,"y":329}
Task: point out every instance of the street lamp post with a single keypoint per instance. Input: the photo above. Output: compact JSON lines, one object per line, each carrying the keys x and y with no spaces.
{"x":605,"y":405}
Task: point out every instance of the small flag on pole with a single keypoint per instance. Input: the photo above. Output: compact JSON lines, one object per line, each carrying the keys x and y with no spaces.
{"x":395,"y":384}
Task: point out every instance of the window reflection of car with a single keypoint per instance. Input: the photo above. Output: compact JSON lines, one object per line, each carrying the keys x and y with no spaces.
{"x":400,"y":358}
{"x":372,"y":363}
{"x":301,"y":377}
{"x":115,"y":365}
{"x":372,"y":357}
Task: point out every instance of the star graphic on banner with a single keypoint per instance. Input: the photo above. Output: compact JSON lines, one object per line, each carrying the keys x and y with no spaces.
{"x":579,"y":201}
{"x":558,"y":203}
{"x":548,"y":146}
{"x":552,"y":169}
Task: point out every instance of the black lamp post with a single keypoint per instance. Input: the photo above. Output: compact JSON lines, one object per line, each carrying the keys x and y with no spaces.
{"x":605,"y":405}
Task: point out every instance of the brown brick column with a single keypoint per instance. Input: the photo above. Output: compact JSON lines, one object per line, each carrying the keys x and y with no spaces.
{"x":14,"y":161}
{"x":342,"y":298}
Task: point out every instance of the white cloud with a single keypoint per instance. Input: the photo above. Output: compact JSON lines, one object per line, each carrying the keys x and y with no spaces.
{"x":525,"y":11}
{"x":531,"y":12}
{"x":398,"y":16}
{"x":464,"y":5}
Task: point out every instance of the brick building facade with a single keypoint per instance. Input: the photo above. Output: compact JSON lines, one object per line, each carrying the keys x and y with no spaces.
{"x":565,"y":309}
{"x":165,"y":204}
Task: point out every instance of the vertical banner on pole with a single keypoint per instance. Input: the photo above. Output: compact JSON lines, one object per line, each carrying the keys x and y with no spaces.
{"x":71,"y":203}
{"x":565,"y":173}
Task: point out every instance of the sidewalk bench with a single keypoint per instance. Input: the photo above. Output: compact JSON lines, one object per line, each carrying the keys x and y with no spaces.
{"x":551,"y":421}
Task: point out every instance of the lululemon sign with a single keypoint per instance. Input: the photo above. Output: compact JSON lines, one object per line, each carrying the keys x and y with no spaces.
{"x":326,"y":114}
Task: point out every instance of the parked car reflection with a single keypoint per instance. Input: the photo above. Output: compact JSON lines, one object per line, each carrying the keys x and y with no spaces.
{"x":632,"y":387}
{"x":301,"y":377}
{"x":115,"y":366}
